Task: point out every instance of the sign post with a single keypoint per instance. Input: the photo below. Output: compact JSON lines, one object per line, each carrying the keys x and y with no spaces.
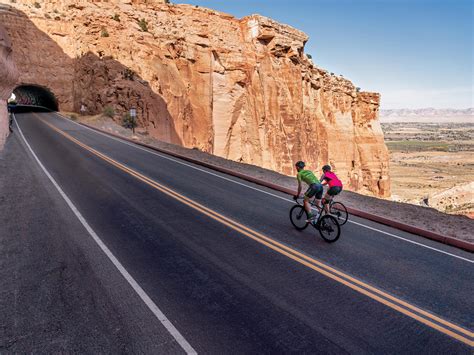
{"x":133,"y":116}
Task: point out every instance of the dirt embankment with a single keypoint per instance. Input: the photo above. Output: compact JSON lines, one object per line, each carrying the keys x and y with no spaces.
{"x":459,"y":227}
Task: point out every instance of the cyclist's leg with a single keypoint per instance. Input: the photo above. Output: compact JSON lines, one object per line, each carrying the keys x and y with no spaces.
{"x":307,"y":196}
{"x":317,"y":196}
{"x":307,"y":205}
{"x":332,"y":191}
{"x":327,"y":201}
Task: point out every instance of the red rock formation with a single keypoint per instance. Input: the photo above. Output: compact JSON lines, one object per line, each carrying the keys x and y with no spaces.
{"x":8,"y":76}
{"x":238,"y":88}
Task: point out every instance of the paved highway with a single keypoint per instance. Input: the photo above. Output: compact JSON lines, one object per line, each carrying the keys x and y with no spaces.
{"x":210,"y":263}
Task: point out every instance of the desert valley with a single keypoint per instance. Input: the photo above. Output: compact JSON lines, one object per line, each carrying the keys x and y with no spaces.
{"x":431,"y":158}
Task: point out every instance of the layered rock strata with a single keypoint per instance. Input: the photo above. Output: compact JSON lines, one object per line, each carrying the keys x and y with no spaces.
{"x":8,"y":77}
{"x":242,"y":89}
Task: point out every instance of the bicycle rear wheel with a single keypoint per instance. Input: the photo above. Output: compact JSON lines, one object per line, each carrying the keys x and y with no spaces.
{"x":298,"y":217}
{"x":329,"y":228}
{"x":339,"y":211}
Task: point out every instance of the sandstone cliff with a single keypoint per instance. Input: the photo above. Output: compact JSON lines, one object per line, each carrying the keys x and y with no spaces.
{"x":238,"y":88}
{"x":8,"y":77}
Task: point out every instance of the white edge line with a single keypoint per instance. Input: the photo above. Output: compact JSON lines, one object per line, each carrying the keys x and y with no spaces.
{"x":256,"y":189}
{"x":136,"y":287}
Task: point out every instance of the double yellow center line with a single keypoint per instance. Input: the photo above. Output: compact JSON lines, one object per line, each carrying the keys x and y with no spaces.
{"x":391,"y":301}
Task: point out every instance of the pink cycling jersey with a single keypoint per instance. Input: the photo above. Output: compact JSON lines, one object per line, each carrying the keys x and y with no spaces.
{"x":332,"y":179}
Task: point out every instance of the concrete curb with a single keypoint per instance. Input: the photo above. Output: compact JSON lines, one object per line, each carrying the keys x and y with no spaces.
{"x":382,"y":220}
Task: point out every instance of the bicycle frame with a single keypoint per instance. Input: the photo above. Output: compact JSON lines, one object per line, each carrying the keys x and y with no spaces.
{"x":312,"y":203}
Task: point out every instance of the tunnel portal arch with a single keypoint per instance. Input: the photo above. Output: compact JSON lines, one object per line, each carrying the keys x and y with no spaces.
{"x":35,"y":95}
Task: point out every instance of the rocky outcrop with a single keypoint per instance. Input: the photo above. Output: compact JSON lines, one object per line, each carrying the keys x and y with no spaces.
{"x":8,"y":76}
{"x":242,"y":89}
{"x":456,"y":200}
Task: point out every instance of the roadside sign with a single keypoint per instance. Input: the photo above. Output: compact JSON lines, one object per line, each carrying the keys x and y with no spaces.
{"x":133,"y":112}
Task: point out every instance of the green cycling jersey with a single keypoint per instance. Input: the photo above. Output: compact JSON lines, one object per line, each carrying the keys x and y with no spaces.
{"x":307,"y":176}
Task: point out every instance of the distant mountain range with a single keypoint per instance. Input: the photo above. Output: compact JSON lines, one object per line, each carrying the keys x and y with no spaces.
{"x":427,"y":115}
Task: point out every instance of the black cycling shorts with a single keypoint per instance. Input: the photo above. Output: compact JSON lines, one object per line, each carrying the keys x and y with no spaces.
{"x":315,"y":190}
{"x":335,"y":190}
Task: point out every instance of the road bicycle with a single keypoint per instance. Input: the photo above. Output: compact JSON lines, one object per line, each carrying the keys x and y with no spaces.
{"x":338,"y":210}
{"x":327,"y":225}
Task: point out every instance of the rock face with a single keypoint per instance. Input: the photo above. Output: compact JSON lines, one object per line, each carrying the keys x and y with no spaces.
{"x":458,"y":200}
{"x":8,"y":77}
{"x":242,"y":89}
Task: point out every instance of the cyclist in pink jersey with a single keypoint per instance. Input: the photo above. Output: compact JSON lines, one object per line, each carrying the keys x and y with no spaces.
{"x":334,"y":184}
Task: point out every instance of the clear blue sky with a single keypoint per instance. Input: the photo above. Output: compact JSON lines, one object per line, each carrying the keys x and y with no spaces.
{"x":416,"y":53}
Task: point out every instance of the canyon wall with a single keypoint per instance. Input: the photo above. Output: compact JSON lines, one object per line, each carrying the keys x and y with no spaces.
{"x":8,"y":77}
{"x":242,"y":89}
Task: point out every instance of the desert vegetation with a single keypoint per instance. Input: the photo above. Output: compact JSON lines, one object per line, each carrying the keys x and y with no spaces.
{"x":143,"y":24}
{"x":432,"y":164}
{"x":409,"y":137}
{"x":108,"y":111}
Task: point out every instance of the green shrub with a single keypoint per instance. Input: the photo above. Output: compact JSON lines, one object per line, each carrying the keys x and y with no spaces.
{"x":143,"y":25}
{"x":357,"y":89}
{"x":309,"y":56}
{"x":103,"y":32}
{"x":37,"y":5}
{"x":73,"y":117}
{"x":129,"y":122}
{"x":108,"y":111}
{"x":128,"y":74}
{"x":116,"y":17}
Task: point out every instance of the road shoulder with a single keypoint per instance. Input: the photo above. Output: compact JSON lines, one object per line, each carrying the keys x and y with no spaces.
{"x":59,"y":292}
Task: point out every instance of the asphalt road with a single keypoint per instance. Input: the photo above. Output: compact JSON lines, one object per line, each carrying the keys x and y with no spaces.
{"x":221,"y":261}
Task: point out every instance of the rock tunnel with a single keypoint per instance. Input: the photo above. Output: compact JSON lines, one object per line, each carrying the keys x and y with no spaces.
{"x":35,"y":95}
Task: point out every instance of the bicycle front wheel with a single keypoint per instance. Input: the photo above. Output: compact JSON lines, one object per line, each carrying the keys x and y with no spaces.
{"x":339,"y":211}
{"x":329,"y":228}
{"x":298,"y":217}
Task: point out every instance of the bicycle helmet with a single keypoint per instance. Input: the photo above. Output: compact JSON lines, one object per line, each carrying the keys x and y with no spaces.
{"x":327,"y":168}
{"x":300,"y":164}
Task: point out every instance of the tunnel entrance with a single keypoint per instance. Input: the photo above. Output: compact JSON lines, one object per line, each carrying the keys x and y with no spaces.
{"x":34,"y":97}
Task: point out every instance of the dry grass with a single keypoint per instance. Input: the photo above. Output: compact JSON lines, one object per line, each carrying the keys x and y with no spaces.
{"x":415,"y":175}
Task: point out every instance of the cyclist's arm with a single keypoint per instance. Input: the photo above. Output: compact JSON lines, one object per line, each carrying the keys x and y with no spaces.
{"x":299,"y":188}
{"x":323,"y":179}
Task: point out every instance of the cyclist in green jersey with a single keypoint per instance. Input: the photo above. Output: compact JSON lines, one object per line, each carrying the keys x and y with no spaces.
{"x":314,"y":188}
